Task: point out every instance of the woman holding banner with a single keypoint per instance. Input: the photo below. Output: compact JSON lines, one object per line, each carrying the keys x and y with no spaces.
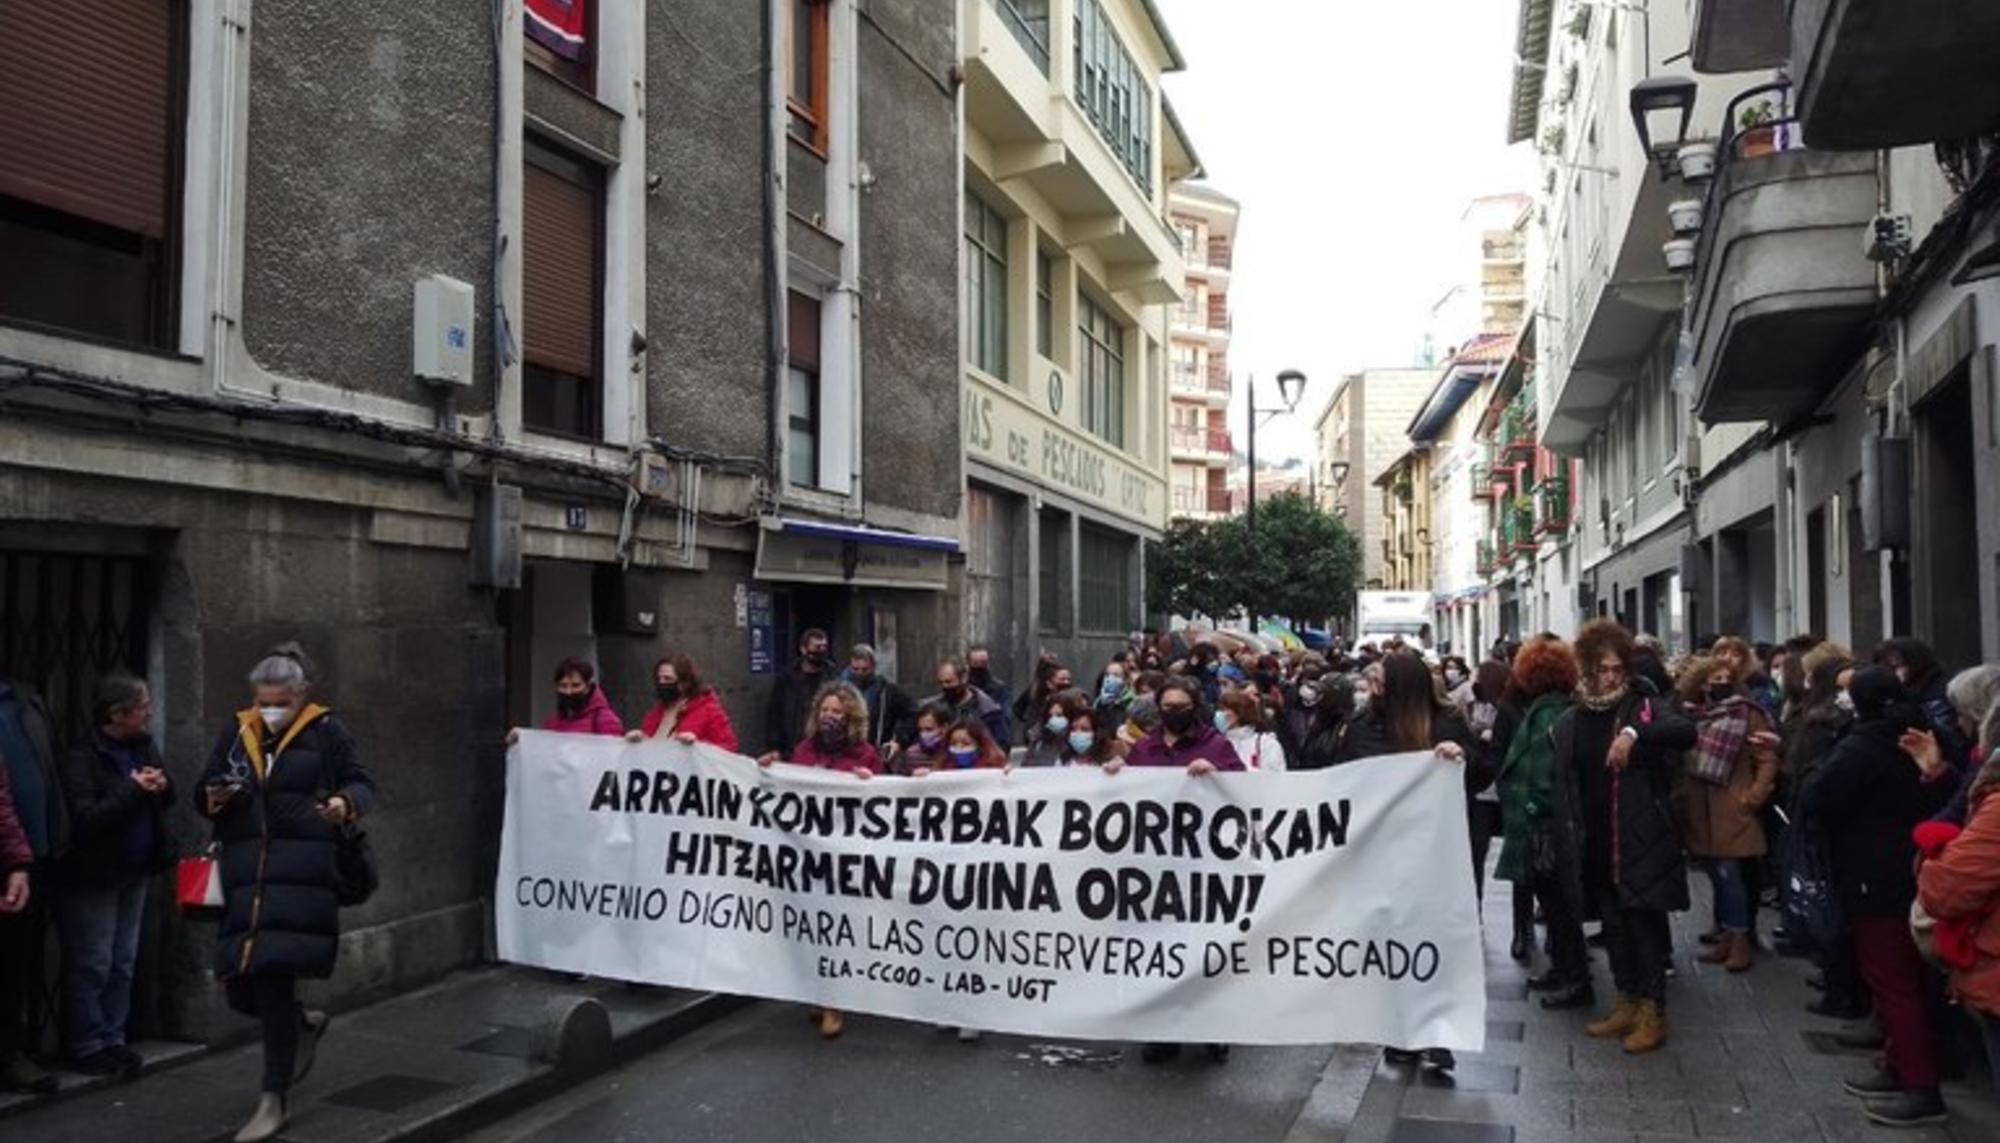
{"x":685,"y":707}
{"x":1412,"y":715}
{"x":1185,"y":739}
{"x":836,"y":738}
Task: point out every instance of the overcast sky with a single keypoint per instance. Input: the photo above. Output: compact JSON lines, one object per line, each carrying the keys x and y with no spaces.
{"x":1354,"y":134}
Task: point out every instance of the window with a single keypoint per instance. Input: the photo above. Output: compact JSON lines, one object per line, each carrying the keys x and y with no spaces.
{"x":1113,"y":92}
{"x":1045,"y":304}
{"x":985,"y":287}
{"x":90,"y":168}
{"x":1102,"y":367}
{"x":558,"y":39}
{"x":1104,"y":593}
{"x":1029,"y":21}
{"x":1052,"y":574}
{"x":805,"y":97}
{"x":1187,"y":367}
{"x":1190,"y":237}
{"x":562,"y":293}
{"x":802,"y":404}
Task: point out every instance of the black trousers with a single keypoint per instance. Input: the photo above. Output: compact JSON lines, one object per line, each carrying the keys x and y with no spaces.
{"x":1638,"y":942}
{"x":273,"y":1000}
{"x":24,"y":1000}
{"x":1568,"y":955}
{"x":1484,"y":817}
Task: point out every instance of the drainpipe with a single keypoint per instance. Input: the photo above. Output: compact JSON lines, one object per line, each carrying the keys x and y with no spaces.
{"x":775,"y":345}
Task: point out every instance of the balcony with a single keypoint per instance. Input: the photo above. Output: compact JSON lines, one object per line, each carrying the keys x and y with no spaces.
{"x":1738,"y":35}
{"x":1552,"y":506}
{"x":1485,"y":558}
{"x":1201,"y":502}
{"x":1199,"y":446}
{"x":1882,"y":73}
{"x":1484,"y":476}
{"x":1517,"y":428}
{"x":1517,"y":526}
{"x":1502,"y":250}
{"x":1785,"y":293}
{"x":1021,"y":126}
{"x":1211,"y":388}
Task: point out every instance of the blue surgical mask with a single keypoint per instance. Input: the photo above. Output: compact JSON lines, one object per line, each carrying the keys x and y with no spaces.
{"x":1112,"y":687}
{"x":1080,"y":741}
{"x":1056,"y":724}
{"x":964,"y":758}
{"x":1222,"y":722}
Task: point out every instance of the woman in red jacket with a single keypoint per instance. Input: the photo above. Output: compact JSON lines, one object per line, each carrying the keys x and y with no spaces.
{"x":1963,"y":884}
{"x":685,"y":708}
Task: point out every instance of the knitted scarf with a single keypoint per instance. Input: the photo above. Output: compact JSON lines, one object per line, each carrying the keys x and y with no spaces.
{"x":1724,"y":726}
{"x":1603,"y":702}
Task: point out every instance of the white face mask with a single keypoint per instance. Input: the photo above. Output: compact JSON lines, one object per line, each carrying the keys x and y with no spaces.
{"x":1361,"y":699}
{"x":274,"y":716}
{"x":1844,"y":701}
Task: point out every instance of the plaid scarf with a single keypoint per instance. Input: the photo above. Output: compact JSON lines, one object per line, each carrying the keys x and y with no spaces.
{"x":1724,"y":726}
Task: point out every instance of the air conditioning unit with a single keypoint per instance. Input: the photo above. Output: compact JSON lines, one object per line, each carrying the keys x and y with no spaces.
{"x":441,"y":328}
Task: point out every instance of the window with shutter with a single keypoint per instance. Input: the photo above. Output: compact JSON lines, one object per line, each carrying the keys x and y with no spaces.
{"x":559,"y":38}
{"x":562,"y":278}
{"x":805,"y":94}
{"x":92,"y":113}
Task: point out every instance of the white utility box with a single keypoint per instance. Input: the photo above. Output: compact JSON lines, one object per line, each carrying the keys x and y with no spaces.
{"x":443,"y":331}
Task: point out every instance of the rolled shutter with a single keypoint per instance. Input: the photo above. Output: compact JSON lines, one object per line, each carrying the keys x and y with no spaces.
{"x":802,"y":331}
{"x":86,"y":114}
{"x":559,"y":273}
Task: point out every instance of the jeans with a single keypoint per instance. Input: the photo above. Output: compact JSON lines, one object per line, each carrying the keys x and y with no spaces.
{"x":23,"y":1004}
{"x":100,"y":937}
{"x":1895,"y":976}
{"x":1735,"y":907}
{"x":1638,"y":942}
{"x":273,"y":999}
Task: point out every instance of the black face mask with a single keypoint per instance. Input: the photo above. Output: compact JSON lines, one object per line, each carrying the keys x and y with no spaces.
{"x":667,"y":692}
{"x":815,"y":660}
{"x":954,"y":695}
{"x":1178,"y":719}
{"x":981,"y":674}
{"x":1718,"y":692}
{"x":569,"y":706}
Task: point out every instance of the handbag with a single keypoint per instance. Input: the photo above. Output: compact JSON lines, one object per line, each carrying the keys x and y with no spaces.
{"x":1811,"y":905}
{"x":354,"y":872}
{"x":198,"y":883}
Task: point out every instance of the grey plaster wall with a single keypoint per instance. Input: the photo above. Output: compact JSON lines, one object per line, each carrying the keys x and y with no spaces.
{"x":370,"y":165}
{"x":705,"y":319}
{"x":909,"y":260}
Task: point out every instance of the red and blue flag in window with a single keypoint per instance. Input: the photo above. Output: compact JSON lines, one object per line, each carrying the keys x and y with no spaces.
{"x":559,"y":25}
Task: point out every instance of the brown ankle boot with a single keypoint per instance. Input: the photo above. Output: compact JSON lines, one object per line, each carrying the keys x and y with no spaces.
{"x":1742,"y":952}
{"x":1717,"y":952}
{"x":1624,"y":1014}
{"x":1649,"y":1029}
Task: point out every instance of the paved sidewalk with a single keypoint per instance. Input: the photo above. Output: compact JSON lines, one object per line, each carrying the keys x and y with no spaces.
{"x":1744,"y":1061}
{"x":430,"y":1065}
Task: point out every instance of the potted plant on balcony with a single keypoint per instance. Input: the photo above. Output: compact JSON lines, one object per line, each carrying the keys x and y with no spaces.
{"x":1757,"y":135}
{"x":1679,"y":253}
{"x":1685,"y":215}
{"x":1696,"y":159}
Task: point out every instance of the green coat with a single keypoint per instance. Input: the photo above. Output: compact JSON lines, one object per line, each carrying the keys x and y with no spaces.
{"x":1527,"y":784}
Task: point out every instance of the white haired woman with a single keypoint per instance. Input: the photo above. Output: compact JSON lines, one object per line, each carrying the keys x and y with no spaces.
{"x":283,"y":781}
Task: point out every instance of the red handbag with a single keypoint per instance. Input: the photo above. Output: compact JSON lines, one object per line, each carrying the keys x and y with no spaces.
{"x":198,"y":884}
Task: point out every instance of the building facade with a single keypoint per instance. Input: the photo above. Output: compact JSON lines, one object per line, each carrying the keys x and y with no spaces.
{"x":1766,"y":319}
{"x":1198,"y":381}
{"x":1361,"y":431}
{"x":452,"y":347}
{"x":1071,"y":269}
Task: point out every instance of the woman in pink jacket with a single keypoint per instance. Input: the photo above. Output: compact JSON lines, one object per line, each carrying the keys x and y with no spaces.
{"x":581,"y":707}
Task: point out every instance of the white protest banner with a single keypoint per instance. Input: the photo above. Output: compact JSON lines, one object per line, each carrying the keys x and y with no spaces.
{"x":1257,"y":908}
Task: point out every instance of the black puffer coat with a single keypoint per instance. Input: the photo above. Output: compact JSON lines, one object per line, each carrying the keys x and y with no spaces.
{"x":1650,"y":870}
{"x":1866,"y":799}
{"x":280,"y":911}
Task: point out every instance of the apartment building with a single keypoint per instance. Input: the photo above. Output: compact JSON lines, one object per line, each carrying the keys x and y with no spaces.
{"x":1357,"y":436}
{"x":1198,"y":381}
{"x":1764,"y":324}
{"x":1071,"y":270}
{"x":450,"y":347}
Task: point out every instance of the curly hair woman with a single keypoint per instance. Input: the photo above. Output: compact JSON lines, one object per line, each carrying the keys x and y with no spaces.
{"x":1543,"y":677}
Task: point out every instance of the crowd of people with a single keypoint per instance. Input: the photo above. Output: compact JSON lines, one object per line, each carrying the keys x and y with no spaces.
{"x":1859,"y":795}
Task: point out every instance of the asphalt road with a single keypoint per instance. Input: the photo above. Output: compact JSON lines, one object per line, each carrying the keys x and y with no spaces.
{"x":764,"y":1074}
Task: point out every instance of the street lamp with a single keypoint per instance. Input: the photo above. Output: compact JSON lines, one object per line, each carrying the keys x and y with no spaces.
{"x":1291,"y":386}
{"x":1656,"y":103}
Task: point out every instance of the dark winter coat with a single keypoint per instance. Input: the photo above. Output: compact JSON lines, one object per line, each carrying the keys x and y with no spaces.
{"x":889,"y":708}
{"x":791,"y":702}
{"x":14,"y":851}
{"x":31,"y":716}
{"x":1865,"y":800}
{"x":280,"y":912}
{"x":1648,"y":868}
{"x":104,"y":803}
